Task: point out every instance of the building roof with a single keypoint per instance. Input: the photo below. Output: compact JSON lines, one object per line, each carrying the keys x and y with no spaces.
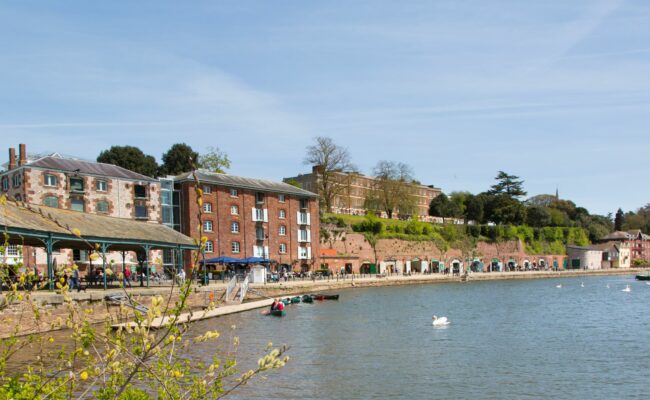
{"x":629,"y":235}
{"x":26,"y":223}
{"x":244,"y":183}
{"x":583,"y":248}
{"x":58,"y":163}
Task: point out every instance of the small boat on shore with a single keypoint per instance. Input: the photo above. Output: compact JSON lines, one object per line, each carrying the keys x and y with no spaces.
{"x":307,"y":299}
{"x":645,"y":277}
{"x":295,"y":300}
{"x":327,"y":296}
{"x":277,"y":313}
{"x":286,"y":301}
{"x":319,"y":297}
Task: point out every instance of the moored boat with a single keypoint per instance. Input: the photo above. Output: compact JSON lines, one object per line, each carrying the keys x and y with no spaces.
{"x":319,"y":297}
{"x":327,"y":296}
{"x":295,"y":300}
{"x":286,"y":301}
{"x":643,"y":277}
{"x":307,"y":299}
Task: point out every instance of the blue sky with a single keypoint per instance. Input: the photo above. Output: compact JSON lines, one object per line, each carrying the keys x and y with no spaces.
{"x":556,"y":91}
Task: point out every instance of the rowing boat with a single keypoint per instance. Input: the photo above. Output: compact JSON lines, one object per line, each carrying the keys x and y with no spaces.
{"x":327,"y":296}
{"x":295,"y":300}
{"x":278,"y":313}
{"x":307,"y":299}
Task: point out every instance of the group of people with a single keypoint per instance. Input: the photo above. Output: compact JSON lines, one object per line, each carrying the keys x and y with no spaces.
{"x":277,"y":305}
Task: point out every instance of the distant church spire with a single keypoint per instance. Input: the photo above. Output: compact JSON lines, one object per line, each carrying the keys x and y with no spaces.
{"x":557,"y":193}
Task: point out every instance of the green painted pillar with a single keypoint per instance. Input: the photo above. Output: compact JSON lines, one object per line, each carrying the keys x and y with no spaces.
{"x":104,"y":248}
{"x":146,"y":262}
{"x":49,"y":244}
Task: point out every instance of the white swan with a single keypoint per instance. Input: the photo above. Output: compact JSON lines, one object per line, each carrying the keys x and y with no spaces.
{"x":647,"y":283}
{"x":442,"y":321}
{"x":559,"y":286}
{"x":627,"y":289}
{"x":608,"y":286}
{"x":582,"y":284}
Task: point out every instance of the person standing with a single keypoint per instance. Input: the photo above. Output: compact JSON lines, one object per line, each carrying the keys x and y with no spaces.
{"x":127,"y":277}
{"x":75,"y":279}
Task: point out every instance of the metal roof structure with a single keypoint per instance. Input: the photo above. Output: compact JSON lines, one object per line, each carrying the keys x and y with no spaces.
{"x":243,"y":183}
{"x":58,"y":163}
{"x":30,"y":224}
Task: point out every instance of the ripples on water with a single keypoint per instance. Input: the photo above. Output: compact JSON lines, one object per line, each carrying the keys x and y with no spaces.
{"x":507,"y":340}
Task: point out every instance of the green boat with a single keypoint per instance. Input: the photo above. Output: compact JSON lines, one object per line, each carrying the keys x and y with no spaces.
{"x":295,"y":300}
{"x":286,"y":301}
{"x":643,"y":277}
{"x":278,"y":313}
{"x":307,"y":299}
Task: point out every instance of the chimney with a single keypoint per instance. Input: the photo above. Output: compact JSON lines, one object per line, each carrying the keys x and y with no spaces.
{"x":12,"y":158}
{"x":22,"y":153}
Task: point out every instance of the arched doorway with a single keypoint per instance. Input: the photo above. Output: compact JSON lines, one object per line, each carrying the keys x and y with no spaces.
{"x":527,"y":265}
{"x":495,"y":265}
{"x":456,"y":266}
{"x":512,"y":265}
{"x":476,"y":266}
{"x":542,"y":264}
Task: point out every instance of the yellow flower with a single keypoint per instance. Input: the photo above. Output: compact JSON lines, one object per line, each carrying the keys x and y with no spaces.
{"x":76,"y":232}
{"x":177,"y":373}
{"x":50,"y":339}
{"x":3,"y":200}
{"x":83,"y":375}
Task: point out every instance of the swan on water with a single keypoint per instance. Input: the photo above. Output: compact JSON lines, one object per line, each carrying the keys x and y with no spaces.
{"x":582,"y":284}
{"x":627,"y":289}
{"x":440,"y":321}
{"x":608,"y":286}
{"x":559,"y":286}
{"x":647,"y":283}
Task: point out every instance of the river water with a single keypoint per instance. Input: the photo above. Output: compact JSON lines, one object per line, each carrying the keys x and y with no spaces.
{"x":523,"y":339}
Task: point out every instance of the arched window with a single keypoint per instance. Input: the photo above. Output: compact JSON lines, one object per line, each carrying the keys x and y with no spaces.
{"x":209,"y":246}
{"x":51,"y":201}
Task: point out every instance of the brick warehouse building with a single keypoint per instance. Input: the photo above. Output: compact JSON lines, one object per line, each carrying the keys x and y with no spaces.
{"x":245,"y":217}
{"x":83,"y":186}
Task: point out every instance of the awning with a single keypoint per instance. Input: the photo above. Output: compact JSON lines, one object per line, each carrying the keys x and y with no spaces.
{"x":255,"y":260}
{"x":223,"y":260}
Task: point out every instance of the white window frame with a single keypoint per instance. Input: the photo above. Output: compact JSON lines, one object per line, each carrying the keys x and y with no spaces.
{"x":99,"y":183}
{"x":235,"y":247}
{"x":282,"y":214}
{"x":207,"y":189}
{"x":233,"y":193}
{"x":209,"y":246}
{"x":48,"y":178}
{"x":207,"y":226}
{"x":283,"y":248}
{"x":282,"y":198}
{"x":207,"y":207}
{"x":260,"y":214}
{"x":234,"y":227}
{"x":282,"y":230}
{"x":304,"y":218}
{"x":234,"y":209}
{"x":303,"y":253}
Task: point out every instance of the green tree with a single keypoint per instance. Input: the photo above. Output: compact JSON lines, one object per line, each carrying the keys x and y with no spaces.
{"x":329,"y":161}
{"x":538,"y":216}
{"x":293,"y":182}
{"x":178,"y":159}
{"x":131,"y":158}
{"x":619,"y":220}
{"x":214,"y":160}
{"x":442,"y":206}
{"x":474,"y":208}
{"x":504,"y":209}
{"x":372,"y":240}
{"x":508,"y":184}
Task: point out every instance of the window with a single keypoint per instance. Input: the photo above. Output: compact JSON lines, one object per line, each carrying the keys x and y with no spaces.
{"x":281,"y":198}
{"x":234,"y":246}
{"x":141,"y":211}
{"x":17,"y":180}
{"x":79,"y":255}
{"x":233,"y":192}
{"x":303,"y":235}
{"x":207,"y":189}
{"x":283,"y":214}
{"x":207,"y":226}
{"x":303,"y":203}
{"x":283,"y":248}
{"x":140,"y":191}
{"x":259,"y":233}
{"x":260,"y":251}
{"x":259,"y":197}
{"x":51,"y":180}
{"x":234,"y":210}
{"x":234,"y":227}
{"x":282,"y":230}
{"x":51,"y":201}
{"x":5,"y":183}
{"x":207,"y":207}
{"x":302,"y":253}
{"x":209,"y":246}
{"x":102,"y":206}
{"x":77,"y":204}
{"x":303,"y":218}
{"x":101,"y":186}
{"x":12,"y":250}
{"x":260,"y":215}
{"x":76,"y":184}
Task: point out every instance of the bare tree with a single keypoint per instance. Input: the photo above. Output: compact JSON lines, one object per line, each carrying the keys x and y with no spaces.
{"x":330,"y":160}
{"x":393,"y":188}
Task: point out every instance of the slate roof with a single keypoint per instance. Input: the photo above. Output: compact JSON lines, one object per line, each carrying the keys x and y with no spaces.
{"x":87,"y":167}
{"x":41,"y":219}
{"x":244,"y":183}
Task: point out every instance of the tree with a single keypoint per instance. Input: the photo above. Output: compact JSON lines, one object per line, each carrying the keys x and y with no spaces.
{"x":508,"y":184}
{"x":131,"y":158}
{"x":214,"y":160}
{"x":293,"y":182}
{"x":474,"y":208}
{"x":393,"y":189}
{"x":538,"y":216}
{"x":442,"y":206}
{"x":372,"y":240}
{"x":178,"y":159}
{"x":619,"y":220}
{"x":503,"y":209}
{"x":329,"y":160}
